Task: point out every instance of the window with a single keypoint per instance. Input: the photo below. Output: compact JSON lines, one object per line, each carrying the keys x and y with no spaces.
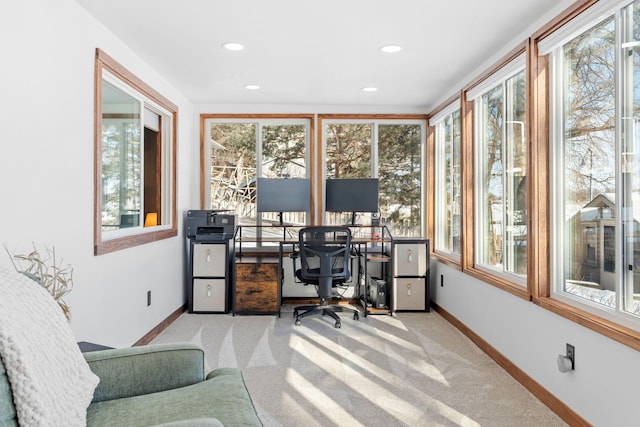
{"x":500,"y":175}
{"x":135,"y":191}
{"x":596,"y":198}
{"x":242,"y":149}
{"x":390,"y":150}
{"x":448,"y":203}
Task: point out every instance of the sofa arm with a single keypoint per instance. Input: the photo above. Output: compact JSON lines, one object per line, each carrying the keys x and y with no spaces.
{"x":133,"y":371}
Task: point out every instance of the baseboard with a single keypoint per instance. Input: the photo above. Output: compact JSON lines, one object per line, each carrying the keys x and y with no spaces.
{"x":161,"y":327}
{"x":546,"y":397}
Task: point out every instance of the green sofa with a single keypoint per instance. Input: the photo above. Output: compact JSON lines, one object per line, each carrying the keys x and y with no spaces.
{"x":156,"y":385}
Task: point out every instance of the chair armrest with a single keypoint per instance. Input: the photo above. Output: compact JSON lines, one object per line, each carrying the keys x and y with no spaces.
{"x":133,"y":371}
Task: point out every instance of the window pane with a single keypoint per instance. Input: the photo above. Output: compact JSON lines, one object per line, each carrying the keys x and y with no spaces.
{"x":455,"y":187}
{"x":589,"y":164}
{"x":233,"y":169}
{"x":631,"y":161}
{"x":348,"y":150}
{"x":283,"y":156}
{"x":515,"y":176}
{"x":348,"y":155}
{"x":121,"y":159}
{"x":491,"y":203}
{"x":283,"y":151}
{"x":448,"y":196}
{"x":399,"y":172}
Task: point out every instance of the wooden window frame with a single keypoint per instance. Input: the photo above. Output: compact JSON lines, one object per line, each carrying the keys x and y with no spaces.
{"x":145,"y":235}
{"x":540,"y":195}
{"x":467,"y":115}
{"x":444,"y":257}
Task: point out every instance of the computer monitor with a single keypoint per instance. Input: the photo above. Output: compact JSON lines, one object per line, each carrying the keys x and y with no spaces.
{"x":351,"y":195}
{"x":283,"y":195}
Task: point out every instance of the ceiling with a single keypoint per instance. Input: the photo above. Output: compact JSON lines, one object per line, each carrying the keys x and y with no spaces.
{"x":320,"y":53}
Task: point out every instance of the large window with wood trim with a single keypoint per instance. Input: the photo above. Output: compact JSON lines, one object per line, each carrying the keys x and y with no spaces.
{"x":595,"y":116}
{"x":448,"y":184}
{"x":135,"y":171}
{"x":237,"y":150}
{"x":500,"y":151}
{"x":391,"y":150}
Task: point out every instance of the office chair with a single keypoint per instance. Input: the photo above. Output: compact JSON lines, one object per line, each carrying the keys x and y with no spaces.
{"x":324,"y":254}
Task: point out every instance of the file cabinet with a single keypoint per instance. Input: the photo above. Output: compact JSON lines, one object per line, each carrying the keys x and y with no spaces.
{"x":410,"y":275}
{"x":210,"y":271}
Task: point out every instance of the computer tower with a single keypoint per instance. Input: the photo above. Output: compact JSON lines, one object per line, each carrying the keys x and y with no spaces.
{"x":378,"y":292}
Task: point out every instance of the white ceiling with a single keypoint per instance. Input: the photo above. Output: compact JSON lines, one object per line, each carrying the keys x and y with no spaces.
{"x":322,"y":52}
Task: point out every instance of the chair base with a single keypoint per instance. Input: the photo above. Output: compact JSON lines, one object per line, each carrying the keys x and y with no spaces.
{"x":324,"y":308}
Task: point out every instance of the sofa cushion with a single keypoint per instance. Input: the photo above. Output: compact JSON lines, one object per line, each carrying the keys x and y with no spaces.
{"x":223,"y":396}
{"x":7,"y":410}
{"x":50,"y":380}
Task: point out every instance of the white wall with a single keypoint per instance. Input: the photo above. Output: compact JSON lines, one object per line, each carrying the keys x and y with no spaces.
{"x":46,"y":168}
{"x":46,"y":197}
{"x":603,"y":387}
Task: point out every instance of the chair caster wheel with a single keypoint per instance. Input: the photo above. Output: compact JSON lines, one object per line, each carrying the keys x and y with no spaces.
{"x":338,"y":325}
{"x":356,"y":316}
{"x":298,"y":323}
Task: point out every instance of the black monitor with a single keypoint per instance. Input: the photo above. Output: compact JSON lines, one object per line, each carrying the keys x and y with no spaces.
{"x":283,"y":195}
{"x":351,"y":195}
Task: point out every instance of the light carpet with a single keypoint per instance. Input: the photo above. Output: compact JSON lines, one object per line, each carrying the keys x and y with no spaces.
{"x":410,"y":369}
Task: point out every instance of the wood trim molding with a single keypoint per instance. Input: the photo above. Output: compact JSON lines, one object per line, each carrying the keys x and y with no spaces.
{"x":514,"y":53}
{"x":447,"y":259}
{"x":468,"y":170}
{"x":149,"y":336}
{"x":614,"y":331}
{"x":539,"y":273}
{"x":444,"y":105}
{"x":429,"y":205}
{"x":556,"y":405}
{"x":565,"y":16}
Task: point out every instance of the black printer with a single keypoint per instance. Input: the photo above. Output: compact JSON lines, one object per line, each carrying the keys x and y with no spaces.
{"x":210,"y":225}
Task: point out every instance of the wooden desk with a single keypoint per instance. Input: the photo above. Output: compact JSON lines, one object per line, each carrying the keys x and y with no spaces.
{"x":258,"y":291}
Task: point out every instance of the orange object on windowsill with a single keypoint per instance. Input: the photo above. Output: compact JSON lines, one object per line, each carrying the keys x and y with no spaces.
{"x":151,"y":219}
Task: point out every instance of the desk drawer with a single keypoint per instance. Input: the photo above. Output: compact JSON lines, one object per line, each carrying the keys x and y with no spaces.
{"x":256,"y":289}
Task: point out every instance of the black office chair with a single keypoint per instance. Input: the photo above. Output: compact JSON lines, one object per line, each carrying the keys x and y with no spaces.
{"x":324,"y":254}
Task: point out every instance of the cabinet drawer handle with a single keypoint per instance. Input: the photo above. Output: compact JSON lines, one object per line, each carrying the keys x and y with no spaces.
{"x":208,"y":290}
{"x":409,"y":255}
{"x":208,"y":255}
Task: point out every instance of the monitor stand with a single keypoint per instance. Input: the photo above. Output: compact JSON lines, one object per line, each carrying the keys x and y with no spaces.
{"x":353,"y":221}
{"x":280,"y":222}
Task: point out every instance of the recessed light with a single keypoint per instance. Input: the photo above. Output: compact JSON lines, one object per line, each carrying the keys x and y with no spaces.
{"x":251,"y":87}
{"x":232,"y":46}
{"x":390,"y":48}
{"x":369,"y":89}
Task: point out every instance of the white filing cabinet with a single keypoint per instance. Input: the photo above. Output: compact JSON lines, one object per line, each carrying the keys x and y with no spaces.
{"x":209,"y":278}
{"x":410,"y":275}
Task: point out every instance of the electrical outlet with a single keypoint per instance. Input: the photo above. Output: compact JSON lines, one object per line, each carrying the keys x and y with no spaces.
{"x":148,"y":298}
{"x":571,"y":355}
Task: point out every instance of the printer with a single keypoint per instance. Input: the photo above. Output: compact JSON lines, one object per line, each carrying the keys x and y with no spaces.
{"x":209,"y":225}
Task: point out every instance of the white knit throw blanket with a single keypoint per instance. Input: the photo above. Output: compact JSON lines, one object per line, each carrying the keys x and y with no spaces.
{"x":51,"y":382}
